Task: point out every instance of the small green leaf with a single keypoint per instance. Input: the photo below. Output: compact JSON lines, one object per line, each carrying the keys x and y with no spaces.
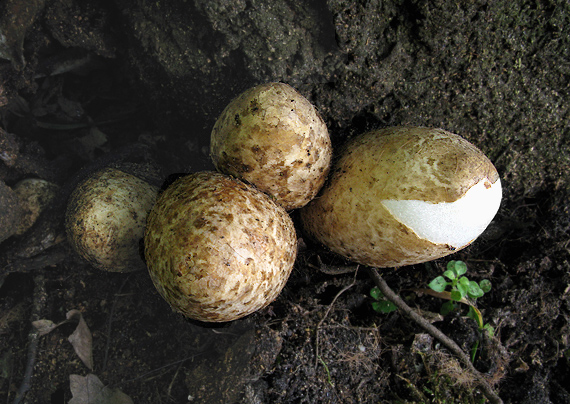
{"x":474,"y":291}
{"x":384,"y":306}
{"x":464,"y":281}
{"x":438,"y":284}
{"x":450,"y":273}
{"x":456,"y":295}
{"x":447,"y":308}
{"x":376,"y":307}
{"x":460,"y":267}
{"x":485,"y":285}
{"x":376,"y":294}
{"x":462,"y":289}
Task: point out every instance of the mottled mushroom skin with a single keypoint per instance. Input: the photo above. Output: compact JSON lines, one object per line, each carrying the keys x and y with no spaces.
{"x":105,"y":219}
{"x":392,"y":164}
{"x":218,"y":249}
{"x":272,"y":137}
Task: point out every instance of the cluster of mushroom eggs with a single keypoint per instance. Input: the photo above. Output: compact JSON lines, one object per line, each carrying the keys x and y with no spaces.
{"x":221,"y":245}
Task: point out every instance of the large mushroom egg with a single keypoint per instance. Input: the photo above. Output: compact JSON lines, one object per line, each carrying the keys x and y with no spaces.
{"x":401,"y":196}
{"x":218,"y":249}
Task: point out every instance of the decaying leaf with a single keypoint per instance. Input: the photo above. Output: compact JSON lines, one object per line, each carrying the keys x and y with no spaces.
{"x":90,"y":390}
{"x":81,"y":339}
{"x":44,"y":326}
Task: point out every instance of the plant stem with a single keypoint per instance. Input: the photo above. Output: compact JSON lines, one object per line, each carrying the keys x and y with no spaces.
{"x":436,"y":333}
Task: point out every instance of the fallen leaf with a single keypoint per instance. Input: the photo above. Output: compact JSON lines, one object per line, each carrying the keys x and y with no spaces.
{"x":81,"y":339}
{"x":90,"y":390}
{"x":45,"y":326}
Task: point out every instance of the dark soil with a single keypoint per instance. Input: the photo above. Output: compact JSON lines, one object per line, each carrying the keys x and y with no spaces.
{"x":86,"y":84}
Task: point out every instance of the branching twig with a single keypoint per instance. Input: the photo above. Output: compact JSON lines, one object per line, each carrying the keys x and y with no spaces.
{"x":436,"y":333}
{"x":40,"y":298}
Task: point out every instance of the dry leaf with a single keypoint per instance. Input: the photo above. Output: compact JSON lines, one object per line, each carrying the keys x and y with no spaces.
{"x":45,"y":326}
{"x":90,"y":390}
{"x":81,"y":339}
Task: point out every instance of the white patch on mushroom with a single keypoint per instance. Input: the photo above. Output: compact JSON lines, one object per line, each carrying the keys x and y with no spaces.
{"x":454,"y":223}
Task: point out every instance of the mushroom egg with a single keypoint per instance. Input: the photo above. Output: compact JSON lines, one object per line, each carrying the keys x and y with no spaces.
{"x":218,"y":249}
{"x":401,"y":196}
{"x":272,"y":137}
{"x":105,"y":219}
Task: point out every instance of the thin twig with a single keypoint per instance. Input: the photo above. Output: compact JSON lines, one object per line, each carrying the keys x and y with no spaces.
{"x":40,"y":298}
{"x":317,"y":356}
{"x":436,"y":333}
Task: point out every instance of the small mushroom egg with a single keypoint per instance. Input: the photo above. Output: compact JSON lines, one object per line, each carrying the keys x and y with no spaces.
{"x":401,"y":196}
{"x":272,"y":137}
{"x":218,"y":249}
{"x":105,"y":219}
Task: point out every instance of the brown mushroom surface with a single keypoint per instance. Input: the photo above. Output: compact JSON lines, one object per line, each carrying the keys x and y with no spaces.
{"x":401,"y":196}
{"x":218,"y":249}
{"x":272,"y":137}
{"x":105,"y":219}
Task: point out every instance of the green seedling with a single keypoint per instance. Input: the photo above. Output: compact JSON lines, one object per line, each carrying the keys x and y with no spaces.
{"x":461,"y":286}
{"x":462,"y":290}
{"x":380,"y":303}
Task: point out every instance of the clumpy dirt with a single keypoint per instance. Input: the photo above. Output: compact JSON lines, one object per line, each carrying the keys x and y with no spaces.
{"x":86,"y":84}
